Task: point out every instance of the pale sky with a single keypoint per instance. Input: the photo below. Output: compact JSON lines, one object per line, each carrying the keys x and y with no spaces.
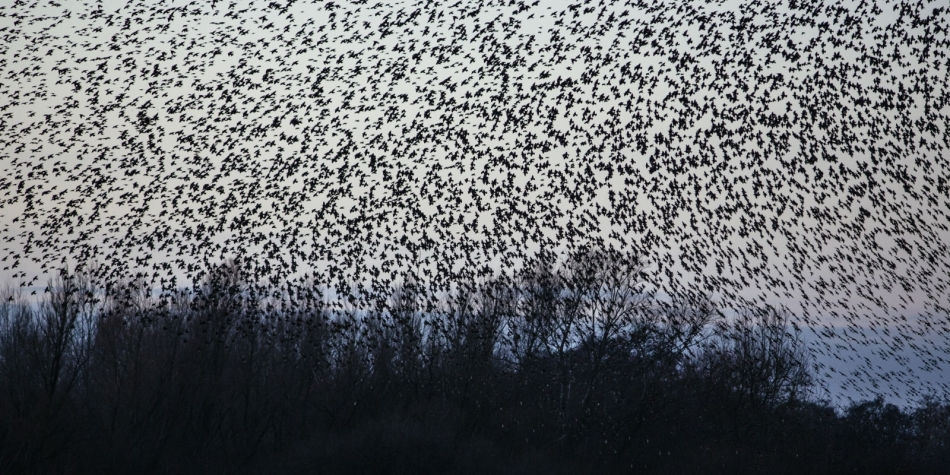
{"x":400,"y":115}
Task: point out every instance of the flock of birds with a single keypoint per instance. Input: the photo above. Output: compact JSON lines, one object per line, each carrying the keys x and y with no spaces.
{"x":788,"y":152}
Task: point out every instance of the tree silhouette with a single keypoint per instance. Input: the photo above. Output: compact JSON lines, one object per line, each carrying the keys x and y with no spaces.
{"x":574,"y":366}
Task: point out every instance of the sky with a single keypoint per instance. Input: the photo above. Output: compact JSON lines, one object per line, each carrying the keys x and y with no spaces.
{"x":789,"y":153}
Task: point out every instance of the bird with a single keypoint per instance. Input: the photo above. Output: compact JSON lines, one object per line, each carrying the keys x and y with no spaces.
{"x":794,"y":155}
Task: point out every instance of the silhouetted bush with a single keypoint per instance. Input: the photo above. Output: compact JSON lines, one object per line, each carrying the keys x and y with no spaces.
{"x":567,"y":369}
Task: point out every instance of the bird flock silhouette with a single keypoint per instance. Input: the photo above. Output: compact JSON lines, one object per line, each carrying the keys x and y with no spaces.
{"x":790,"y":153}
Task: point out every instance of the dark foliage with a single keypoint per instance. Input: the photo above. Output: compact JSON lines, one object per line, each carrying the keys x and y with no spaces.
{"x":576,"y":370}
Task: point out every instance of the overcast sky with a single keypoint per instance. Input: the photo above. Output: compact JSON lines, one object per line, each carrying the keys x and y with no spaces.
{"x":329,"y":131}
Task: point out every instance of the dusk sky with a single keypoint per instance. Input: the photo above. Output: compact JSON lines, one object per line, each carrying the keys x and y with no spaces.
{"x":742,"y":151}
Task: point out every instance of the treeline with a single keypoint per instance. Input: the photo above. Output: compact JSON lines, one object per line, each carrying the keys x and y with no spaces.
{"x":574,"y":369}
